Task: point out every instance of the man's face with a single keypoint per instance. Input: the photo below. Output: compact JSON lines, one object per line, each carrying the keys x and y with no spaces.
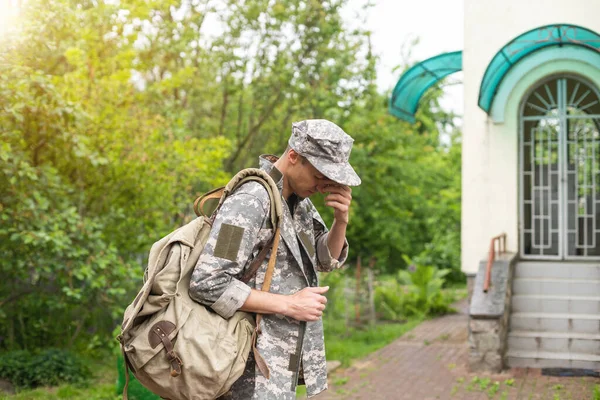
{"x":305,"y":180}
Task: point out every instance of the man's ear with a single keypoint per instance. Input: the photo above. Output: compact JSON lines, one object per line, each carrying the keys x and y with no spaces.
{"x":293,"y":157}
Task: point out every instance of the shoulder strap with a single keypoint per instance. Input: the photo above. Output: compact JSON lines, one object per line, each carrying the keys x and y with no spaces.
{"x":257,"y":262}
{"x":204,"y":205}
{"x":259,"y":176}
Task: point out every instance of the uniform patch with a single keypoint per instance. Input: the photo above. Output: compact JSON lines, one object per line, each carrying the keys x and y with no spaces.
{"x":229,"y":242}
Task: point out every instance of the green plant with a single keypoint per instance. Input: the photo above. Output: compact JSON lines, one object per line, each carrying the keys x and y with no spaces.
{"x":596,"y":392}
{"x":493,"y":389}
{"x":443,"y":252}
{"x":388,"y":300}
{"x":484,"y":383}
{"x":472,"y":384}
{"x":425,"y":296}
{"x":337,"y":301}
{"x":13,"y":367}
{"x":48,"y":368}
{"x":454,"y":390}
{"x":340,"y":381}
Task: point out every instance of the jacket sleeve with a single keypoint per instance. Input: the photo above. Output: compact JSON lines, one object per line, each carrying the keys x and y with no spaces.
{"x":230,"y":245}
{"x":325,"y":262}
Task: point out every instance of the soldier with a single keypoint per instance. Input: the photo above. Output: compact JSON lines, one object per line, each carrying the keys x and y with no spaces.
{"x":291,"y":339}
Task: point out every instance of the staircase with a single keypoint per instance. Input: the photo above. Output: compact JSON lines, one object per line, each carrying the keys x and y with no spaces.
{"x":555,"y":316}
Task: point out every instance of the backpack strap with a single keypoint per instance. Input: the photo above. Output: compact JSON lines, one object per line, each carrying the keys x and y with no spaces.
{"x":259,"y":176}
{"x":257,"y":262}
{"x":201,"y":208}
{"x":205,"y":204}
{"x":260,"y":362}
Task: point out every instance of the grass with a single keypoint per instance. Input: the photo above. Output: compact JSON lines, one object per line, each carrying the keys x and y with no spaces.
{"x":340,"y":381}
{"x":104,"y":391}
{"x":101,"y":386}
{"x":347,"y":344}
{"x":342,"y":343}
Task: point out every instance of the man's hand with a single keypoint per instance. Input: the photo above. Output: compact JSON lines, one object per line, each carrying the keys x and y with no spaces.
{"x":339,"y":198}
{"x":307,"y":304}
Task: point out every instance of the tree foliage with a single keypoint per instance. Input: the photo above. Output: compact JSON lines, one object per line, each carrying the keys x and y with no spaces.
{"x":114,"y":116}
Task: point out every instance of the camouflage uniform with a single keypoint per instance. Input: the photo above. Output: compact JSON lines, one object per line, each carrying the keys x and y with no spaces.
{"x":240,"y":230}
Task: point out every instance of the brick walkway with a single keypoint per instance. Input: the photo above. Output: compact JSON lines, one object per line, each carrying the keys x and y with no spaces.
{"x":430,"y":362}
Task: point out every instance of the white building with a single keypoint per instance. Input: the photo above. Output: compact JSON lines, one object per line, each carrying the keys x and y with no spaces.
{"x":530,"y":167}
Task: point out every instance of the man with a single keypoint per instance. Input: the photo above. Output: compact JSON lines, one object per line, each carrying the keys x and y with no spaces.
{"x":316,"y":161}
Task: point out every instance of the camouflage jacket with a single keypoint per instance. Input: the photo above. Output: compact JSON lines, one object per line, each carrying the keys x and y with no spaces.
{"x":241,"y":228}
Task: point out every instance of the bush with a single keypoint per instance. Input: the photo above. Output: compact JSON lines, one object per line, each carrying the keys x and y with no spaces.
{"x":444,"y":254}
{"x":48,"y":368}
{"x":389,"y":301}
{"x":14,"y":367}
{"x":425,"y":296}
{"x":416,"y":292}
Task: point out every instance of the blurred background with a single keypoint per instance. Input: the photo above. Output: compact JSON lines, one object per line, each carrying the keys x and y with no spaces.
{"x":115,"y":115}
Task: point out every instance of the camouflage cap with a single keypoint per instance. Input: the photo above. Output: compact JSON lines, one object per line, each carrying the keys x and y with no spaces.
{"x":327,"y":147}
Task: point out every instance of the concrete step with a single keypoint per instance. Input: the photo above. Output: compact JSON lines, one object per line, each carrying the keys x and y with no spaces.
{"x":561,"y":342}
{"x":555,"y":315}
{"x":554,"y":322}
{"x":556,"y":286}
{"x":552,"y":269}
{"x":556,"y":304}
{"x":545,"y":359}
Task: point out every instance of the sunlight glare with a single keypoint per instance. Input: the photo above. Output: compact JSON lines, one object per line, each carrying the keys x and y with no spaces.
{"x":8,"y":15}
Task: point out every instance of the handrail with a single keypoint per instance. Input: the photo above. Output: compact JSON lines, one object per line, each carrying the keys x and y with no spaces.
{"x":501,"y":239}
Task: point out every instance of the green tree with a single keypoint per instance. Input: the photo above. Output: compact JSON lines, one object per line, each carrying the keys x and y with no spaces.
{"x":89,"y":178}
{"x":115,"y":116}
{"x":409,"y":201}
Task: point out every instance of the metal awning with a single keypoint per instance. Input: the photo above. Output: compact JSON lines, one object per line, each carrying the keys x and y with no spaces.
{"x":526,"y":44}
{"x":416,"y":80}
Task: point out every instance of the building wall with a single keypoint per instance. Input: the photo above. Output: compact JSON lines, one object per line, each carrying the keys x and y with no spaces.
{"x":490,"y":149}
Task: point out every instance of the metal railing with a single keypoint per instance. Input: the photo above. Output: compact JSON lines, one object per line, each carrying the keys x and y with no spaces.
{"x":501,"y":240}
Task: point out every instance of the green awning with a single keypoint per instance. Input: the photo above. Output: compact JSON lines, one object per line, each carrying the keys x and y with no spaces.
{"x":526,"y":44}
{"x":416,"y":80}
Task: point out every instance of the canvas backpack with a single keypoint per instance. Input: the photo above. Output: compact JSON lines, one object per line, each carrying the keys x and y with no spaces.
{"x":176,"y":347}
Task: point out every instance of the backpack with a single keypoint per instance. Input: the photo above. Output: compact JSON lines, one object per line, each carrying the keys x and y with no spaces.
{"x":174,"y":346}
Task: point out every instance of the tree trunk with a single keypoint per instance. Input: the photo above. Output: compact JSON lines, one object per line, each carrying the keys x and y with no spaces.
{"x":370,"y":274}
{"x":357,"y":295}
